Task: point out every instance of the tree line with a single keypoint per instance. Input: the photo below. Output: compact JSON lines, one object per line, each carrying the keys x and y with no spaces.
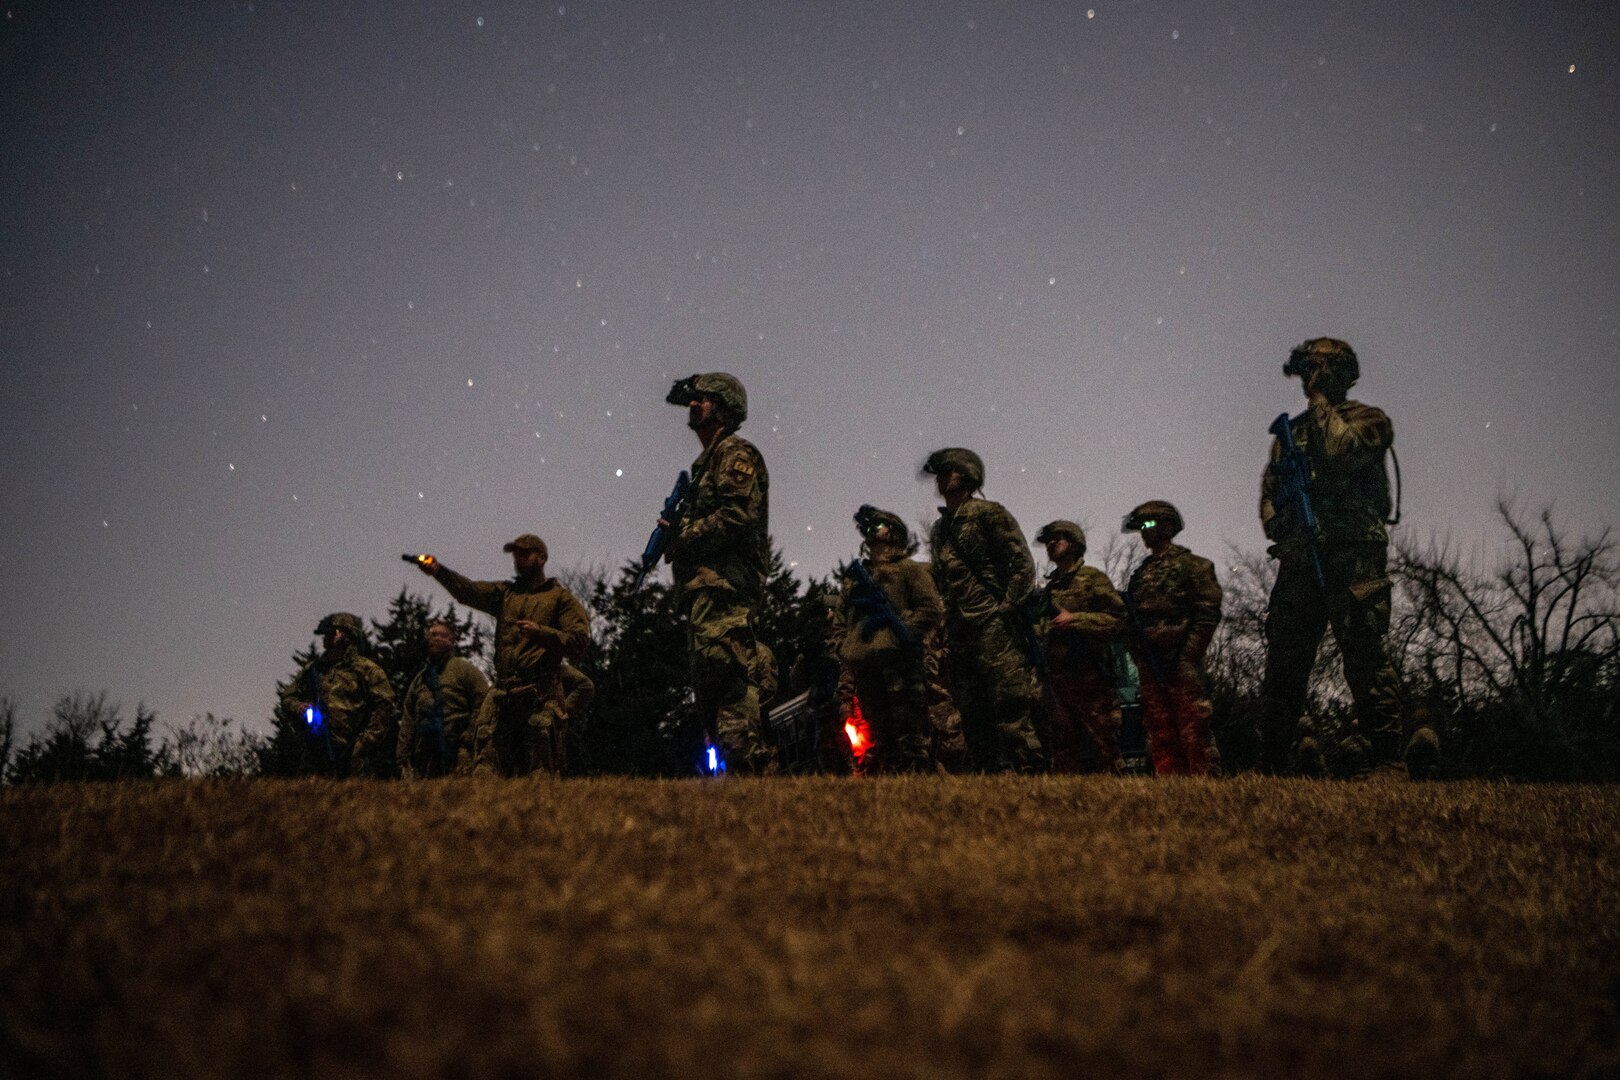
{"x":1516,"y":664}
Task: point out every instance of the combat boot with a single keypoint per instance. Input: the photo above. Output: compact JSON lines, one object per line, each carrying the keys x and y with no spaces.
{"x":1423,"y":754}
{"x":1309,"y":760}
{"x":1354,"y":758}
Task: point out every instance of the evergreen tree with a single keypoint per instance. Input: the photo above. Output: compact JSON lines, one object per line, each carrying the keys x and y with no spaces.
{"x":642,"y":721}
{"x":284,"y":752}
{"x":88,"y":739}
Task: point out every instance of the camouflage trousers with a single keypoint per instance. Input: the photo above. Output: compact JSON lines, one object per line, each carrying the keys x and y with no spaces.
{"x":578,"y":692}
{"x":329,"y":755}
{"x":994,"y":687}
{"x":946,"y":744}
{"x":1082,"y":707}
{"x":351,"y":748}
{"x":1176,"y":716}
{"x":720,"y":641}
{"x":893,"y":699}
{"x":435,"y":753}
{"x":517,"y":731}
{"x":1355,"y":605}
{"x":833,"y":752}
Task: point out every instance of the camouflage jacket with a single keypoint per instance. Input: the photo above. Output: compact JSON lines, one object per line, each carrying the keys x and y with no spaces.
{"x":980,"y":543}
{"x":522,"y":658}
{"x":914,"y":597}
{"x":352,"y":692}
{"x":1178,"y":602}
{"x":722,"y":541}
{"x":1099,"y":613}
{"x":578,"y":691}
{"x":1345,"y":445}
{"x":461,"y":690}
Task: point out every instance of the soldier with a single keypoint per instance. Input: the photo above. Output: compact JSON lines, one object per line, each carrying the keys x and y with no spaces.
{"x":819,"y":674}
{"x":440,"y":704}
{"x":344,"y":701}
{"x":982,"y":567}
{"x":719,"y":551}
{"x":1344,"y":443}
{"x":538,"y":625}
{"x":1174,"y":603}
{"x":883,"y":644}
{"x":1083,"y":615}
{"x":578,"y":693}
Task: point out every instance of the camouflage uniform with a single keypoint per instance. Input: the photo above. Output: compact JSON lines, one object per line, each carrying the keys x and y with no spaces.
{"x":578,"y":692}
{"x":888,"y":678}
{"x":1080,"y":693}
{"x":988,"y":670}
{"x":452,"y":692}
{"x":819,"y":673}
{"x":1345,"y":444}
{"x":719,"y":555}
{"x":1178,"y":604}
{"x":947,"y":747}
{"x":520,"y":724}
{"x":355,"y":701}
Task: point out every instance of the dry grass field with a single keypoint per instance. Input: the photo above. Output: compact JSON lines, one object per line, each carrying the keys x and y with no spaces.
{"x":964,"y":927}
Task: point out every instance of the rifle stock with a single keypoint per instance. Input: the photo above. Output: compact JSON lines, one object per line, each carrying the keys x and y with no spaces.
{"x":658,"y":542}
{"x":874,"y":603}
{"x":1295,"y":487}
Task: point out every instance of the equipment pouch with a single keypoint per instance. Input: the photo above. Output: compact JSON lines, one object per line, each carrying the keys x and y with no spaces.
{"x":518,"y":705}
{"x":1366,"y":590}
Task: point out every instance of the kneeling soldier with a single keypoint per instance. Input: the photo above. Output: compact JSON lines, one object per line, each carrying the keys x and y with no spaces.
{"x":578,"y":693}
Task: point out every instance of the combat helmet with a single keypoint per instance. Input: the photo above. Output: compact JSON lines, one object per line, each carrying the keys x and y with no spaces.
{"x":957,"y":459}
{"x":342,"y":620}
{"x":1324,"y":352}
{"x":823,"y":605}
{"x":726,"y":389}
{"x":1155,"y":514}
{"x":869,"y":519}
{"x":1067,"y":530}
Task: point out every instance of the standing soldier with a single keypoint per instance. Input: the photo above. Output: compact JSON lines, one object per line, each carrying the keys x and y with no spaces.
{"x":344,"y":702}
{"x":440,"y":704}
{"x":1331,"y":543}
{"x":884,"y":636}
{"x":720,"y":551}
{"x":538,"y":625}
{"x":819,"y":674}
{"x":982,"y":567}
{"x":1083,"y":616}
{"x":1174,"y":604}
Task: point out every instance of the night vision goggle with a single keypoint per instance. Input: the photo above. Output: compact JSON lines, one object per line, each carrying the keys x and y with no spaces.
{"x":684,"y":392}
{"x":1302,"y":362}
{"x":869,"y":519}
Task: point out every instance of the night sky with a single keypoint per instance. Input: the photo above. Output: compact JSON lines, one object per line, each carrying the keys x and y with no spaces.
{"x":286,"y":290}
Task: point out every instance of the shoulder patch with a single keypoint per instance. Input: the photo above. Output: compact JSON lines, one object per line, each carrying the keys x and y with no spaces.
{"x":739,"y":466}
